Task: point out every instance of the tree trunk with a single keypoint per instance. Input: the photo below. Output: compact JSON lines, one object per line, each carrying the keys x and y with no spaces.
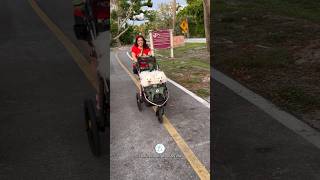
{"x":118,"y":39}
{"x":206,"y":15}
{"x":120,"y":34}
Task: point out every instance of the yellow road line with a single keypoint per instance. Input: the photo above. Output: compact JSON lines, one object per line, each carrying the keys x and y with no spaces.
{"x":198,"y":167}
{"x":85,"y":67}
{"x":71,"y":48}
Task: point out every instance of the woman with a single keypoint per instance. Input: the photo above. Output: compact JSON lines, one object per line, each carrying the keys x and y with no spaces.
{"x":140,"y":48}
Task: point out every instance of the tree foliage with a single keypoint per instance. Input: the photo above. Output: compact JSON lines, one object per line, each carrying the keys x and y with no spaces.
{"x":123,"y":12}
{"x":194,"y":13}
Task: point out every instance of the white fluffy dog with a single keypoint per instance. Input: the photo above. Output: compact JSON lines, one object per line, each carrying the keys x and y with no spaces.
{"x":154,"y":77}
{"x":159,"y":77}
{"x":145,"y":78}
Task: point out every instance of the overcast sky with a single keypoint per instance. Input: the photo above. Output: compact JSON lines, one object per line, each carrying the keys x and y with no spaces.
{"x":155,"y":6}
{"x":156,"y":2}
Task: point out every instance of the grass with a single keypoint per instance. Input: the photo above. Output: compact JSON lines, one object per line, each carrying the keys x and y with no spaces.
{"x":258,"y":43}
{"x":187,"y":64}
{"x":179,"y":52}
{"x":190,"y":67}
{"x":270,"y":58}
{"x":296,"y":99}
{"x":304,"y":9}
{"x":204,"y":92}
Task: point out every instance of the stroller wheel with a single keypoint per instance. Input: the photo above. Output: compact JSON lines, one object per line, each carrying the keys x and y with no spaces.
{"x":139,"y":101}
{"x":159,"y":114}
{"x":92,"y":127}
{"x":146,"y":102}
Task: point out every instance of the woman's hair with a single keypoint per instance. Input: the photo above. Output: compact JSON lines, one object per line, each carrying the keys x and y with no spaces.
{"x":145,"y":46}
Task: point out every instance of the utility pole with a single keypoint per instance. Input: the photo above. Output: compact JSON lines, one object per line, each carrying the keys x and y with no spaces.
{"x":188,"y":32}
{"x":174,"y":6}
{"x":206,"y":11}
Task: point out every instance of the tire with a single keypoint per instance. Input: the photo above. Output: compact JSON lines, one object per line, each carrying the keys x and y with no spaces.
{"x":139,"y":102}
{"x":159,"y":114}
{"x":146,"y":102}
{"x":92,"y":127}
{"x":105,"y":106}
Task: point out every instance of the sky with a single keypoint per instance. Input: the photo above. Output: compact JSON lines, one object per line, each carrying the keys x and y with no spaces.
{"x":156,"y":2}
{"x":156,"y":6}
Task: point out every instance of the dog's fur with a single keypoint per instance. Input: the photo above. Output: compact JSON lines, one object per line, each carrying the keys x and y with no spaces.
{"x":154,"y":77}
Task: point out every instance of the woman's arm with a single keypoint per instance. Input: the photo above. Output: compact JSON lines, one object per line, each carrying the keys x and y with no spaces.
{"x":133,"y":55}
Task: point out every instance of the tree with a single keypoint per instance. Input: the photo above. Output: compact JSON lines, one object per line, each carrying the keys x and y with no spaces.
{"x":198,"y":13}
{"x":165,"y":15}
{"x":162,"y":17}
{"x":194,"y":13}
{"x":125,"y":10}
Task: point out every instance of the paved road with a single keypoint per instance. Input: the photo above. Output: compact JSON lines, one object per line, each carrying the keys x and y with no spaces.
{"x":134,"y":134}
{"x":250,"y":144}
{"x":42,"y":90}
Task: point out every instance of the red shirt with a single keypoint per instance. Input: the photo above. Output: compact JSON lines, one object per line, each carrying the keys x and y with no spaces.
{"x":78,"y":12}
{"x":137,"y":51}
{"x":101,"y":10}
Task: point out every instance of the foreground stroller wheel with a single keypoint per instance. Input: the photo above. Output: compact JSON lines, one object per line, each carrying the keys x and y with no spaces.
{"x":159,"y":113}
{"x":105,"y":107}
{"x":139,"y":102}
{"x":92,"y":127}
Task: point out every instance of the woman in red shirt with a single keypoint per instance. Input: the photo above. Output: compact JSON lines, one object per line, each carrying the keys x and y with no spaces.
{"x":140,"y":48}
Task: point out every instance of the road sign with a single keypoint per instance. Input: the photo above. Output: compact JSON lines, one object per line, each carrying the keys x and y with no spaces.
{"x":184,"y":26}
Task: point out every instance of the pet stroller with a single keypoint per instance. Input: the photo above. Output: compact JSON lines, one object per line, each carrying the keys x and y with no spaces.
{"x":95,"y":30}
{"x":153,"y":89}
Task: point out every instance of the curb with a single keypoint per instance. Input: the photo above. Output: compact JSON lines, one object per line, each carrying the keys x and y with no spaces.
{"x":288,"y":120}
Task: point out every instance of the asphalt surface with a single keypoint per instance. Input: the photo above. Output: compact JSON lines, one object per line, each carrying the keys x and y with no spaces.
{"x":135,"y":134}
{"x":42,"y":133}
{"x":249,"y":144}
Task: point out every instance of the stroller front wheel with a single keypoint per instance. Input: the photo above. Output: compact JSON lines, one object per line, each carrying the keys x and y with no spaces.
{"x":159,"y":113}
{"x":139,"y":101}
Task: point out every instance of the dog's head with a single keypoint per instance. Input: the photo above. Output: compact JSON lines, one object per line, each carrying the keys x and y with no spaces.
{"x":160,"y":76}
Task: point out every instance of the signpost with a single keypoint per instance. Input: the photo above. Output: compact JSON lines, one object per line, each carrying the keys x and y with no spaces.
{"x":162,"y":39}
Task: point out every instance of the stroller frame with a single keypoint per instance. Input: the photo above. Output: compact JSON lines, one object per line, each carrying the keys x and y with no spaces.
{"x":151,"y":64}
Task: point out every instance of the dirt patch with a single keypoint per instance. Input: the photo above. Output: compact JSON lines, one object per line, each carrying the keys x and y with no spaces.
{"x":309,"y":54}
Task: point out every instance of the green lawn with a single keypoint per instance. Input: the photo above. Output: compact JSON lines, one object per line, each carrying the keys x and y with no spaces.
{"x":189,"y":67}
{"x":259,"y":43}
